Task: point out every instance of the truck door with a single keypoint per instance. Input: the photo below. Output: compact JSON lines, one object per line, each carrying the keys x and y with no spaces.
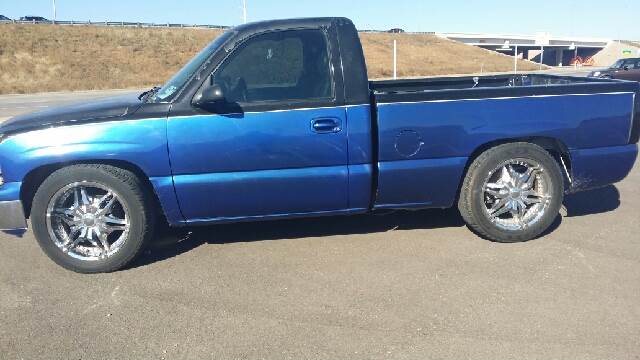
{"x":276,"y":146}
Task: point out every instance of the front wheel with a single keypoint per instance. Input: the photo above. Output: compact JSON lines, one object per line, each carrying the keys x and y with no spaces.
{"x":512,"y":192}
{"x":92,"y":218}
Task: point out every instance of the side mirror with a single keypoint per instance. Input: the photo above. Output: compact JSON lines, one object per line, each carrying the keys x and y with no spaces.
{"x":210,"y":95}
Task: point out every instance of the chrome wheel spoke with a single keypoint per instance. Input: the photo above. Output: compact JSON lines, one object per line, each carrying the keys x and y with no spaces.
{"x":109,"y":219}
{"x":66,"y":215}
{"x":84,"y":197}
{"x":112,"y":224}
{"x":76,"y":198}
{"x":90,"y":238}
{"x":499,"y":212}
{"x":513,"y":175}
{"x":496,"y":186}
{"x":528,"y":178}
{"x":68,"y":247}
{"x":521,"y":224}
{"x":496,"y":194}
{"x":75,"y":231}
{"x":497,"y":190}
{"x":505,"y":177}
{"x":65,"y":212}
{"x":517,"y":210}
{"x":521,"y":209}
{"x":532,"y":200}
{"x":110,"y":200}
{"x":532,"y":197}
{"x":72,"y":241}
{"x":499,"y":208}
{"x":102,"y":236}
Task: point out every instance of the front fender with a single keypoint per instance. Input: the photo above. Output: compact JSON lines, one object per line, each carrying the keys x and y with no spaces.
{"x":142,"y":143}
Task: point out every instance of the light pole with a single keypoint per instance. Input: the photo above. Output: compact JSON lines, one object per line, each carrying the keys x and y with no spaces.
{"x":515,"y":61}
{"x":244,"y":11}
{"x":54,"y":11}
{"x":575,"y":55}
{"x":395,"y":59}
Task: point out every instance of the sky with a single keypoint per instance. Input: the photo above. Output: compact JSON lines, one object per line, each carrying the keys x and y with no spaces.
{"x":614,"y":20}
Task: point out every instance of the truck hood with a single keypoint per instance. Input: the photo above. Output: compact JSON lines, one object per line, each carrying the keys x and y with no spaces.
{"x":107,"y":109}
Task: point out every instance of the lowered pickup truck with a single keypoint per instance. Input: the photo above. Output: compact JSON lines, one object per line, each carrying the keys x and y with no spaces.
{"x":278,"y":120}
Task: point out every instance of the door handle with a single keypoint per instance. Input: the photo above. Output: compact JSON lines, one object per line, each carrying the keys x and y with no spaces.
{"x":326,"y":125}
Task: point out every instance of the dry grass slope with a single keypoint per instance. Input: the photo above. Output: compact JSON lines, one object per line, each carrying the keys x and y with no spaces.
{"x":614,"y":51}
{"x":428,"y":55}
{"x":37,"y":58}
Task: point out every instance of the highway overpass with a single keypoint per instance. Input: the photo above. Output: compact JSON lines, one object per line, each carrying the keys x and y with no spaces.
{"x":541,"y":47}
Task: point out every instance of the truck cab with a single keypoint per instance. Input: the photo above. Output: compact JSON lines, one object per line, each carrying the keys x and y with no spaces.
{"x":272,"y":122}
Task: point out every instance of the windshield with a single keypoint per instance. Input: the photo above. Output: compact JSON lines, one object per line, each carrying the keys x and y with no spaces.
{"x":617,"y":65}
{"x":181,"y":77}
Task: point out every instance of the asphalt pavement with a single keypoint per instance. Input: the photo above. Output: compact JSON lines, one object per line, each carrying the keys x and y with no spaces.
{"x":407,"y":285}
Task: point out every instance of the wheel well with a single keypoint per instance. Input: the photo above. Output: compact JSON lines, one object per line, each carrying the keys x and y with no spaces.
{"x":556,"y":148}
{"x":35,"y":177}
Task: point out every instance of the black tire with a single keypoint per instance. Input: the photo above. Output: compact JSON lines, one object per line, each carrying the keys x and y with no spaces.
{"x":133,"y":193}
{"x":472,"y":197}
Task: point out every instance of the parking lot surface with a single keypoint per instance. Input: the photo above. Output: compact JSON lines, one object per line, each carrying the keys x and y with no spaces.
{"x":406,"y":285}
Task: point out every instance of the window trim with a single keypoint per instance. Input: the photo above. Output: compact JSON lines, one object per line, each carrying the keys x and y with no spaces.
{"x":271,"y":105}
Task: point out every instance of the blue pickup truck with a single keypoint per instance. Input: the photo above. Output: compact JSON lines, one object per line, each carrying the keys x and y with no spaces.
{"x":278,"y":120}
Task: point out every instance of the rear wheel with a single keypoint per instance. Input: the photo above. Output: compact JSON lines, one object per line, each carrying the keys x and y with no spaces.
{"x":512,"y":192}
{"x":92,"y":218}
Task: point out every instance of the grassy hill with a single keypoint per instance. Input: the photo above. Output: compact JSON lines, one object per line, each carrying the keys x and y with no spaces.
{"x":428,"y":55}
{"x":37,"y":58}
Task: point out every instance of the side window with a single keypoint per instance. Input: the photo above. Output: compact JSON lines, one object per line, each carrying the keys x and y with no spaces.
{"x":278,"y":66}
{"x":631,"y":64}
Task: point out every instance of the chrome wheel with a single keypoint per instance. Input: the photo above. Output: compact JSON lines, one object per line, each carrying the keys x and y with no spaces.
{"x":88,"y":221}
{"x":516,"y":194}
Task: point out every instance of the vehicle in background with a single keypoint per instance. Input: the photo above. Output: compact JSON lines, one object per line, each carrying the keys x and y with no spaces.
{"x":396,"y":31}
{"x":278,"y":119}
{"x":4,"y":18}
{"x":34,"y":18}
{"x":623,"y":69}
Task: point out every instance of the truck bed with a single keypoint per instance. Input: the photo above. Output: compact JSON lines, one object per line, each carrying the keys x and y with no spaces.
{"x":428,"y":129}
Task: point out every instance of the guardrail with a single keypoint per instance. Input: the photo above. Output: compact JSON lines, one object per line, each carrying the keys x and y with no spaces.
{"x":114,"y":23}
{"x":630,"y":43}
{"x":395,"y":32}
{"x":157,"y":25}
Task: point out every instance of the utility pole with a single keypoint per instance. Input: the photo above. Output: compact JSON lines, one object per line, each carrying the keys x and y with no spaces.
{"x":244,"y":11}
{"x":54,"y":11}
